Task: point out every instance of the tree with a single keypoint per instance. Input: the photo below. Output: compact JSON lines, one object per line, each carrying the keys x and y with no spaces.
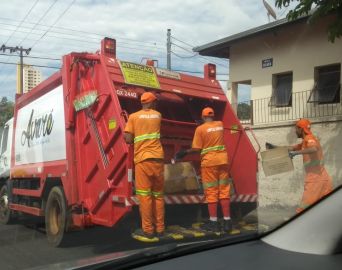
{"x":319,"y":9}
{"x":6,"y":111}
{"x":244,"y":111}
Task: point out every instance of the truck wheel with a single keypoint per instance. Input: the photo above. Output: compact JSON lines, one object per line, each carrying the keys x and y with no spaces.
{"x":6,"y":215}
{"x":56,"y":216}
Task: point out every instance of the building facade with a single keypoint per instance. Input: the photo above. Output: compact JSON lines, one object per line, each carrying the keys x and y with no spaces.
{"x":293,"y":72}
{"x":31,"y":78}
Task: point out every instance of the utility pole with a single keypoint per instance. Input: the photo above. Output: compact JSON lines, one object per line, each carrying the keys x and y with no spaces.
{"x":20,"y":50}
{"x":168,"y":47}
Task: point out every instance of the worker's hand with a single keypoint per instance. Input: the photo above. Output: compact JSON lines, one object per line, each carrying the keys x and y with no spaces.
{"x":292,"y":154}
{"x":270,"y":145}
{"x":180,"y":154}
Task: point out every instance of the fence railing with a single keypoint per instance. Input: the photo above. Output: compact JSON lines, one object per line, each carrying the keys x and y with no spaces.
{"x":263,"y":111}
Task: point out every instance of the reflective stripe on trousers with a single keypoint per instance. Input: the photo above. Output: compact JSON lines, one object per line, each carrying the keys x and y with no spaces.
{"x":313,"y":163}
{"x":217,"y":183}
{"x":149,"y":193}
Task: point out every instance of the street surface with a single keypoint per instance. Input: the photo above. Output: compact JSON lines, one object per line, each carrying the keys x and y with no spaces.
{"x":24,"y":245}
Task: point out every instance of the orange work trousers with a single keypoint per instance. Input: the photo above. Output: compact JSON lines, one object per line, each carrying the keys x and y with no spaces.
{"x":313,"y":191}
{"x":216,"y":183}
{"x":149,"y":186}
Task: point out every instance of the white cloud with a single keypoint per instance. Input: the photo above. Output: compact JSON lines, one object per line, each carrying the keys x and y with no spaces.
{"x":194,"y":21}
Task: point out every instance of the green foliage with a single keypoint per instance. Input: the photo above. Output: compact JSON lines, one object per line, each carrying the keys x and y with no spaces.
{"x":6,"y":111}
{"x":319,"y":8}
{"x":244,"y":111}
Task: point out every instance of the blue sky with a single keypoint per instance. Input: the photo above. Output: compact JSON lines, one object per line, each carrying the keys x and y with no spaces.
{"x":53,"y":28}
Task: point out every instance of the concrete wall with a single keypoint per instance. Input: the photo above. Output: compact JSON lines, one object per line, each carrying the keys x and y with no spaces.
{"x":285,"y":190}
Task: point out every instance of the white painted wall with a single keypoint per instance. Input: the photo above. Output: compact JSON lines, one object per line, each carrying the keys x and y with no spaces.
{"x":298,"y":48}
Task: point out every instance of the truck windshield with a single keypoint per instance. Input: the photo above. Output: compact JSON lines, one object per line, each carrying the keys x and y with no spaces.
{"x":3,"y":139}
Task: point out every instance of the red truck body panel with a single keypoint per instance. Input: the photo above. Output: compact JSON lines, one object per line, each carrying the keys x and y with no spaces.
{"x":98,"y":173}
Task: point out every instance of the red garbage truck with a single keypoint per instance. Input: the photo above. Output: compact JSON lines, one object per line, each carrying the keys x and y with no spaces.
{"x":66,"y":158}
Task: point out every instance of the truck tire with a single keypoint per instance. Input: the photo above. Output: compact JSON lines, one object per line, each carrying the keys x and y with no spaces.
{"x":56,"y":217}
{"x":6,"y":215}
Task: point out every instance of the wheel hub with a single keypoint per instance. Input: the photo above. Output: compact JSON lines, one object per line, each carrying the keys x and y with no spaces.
{"x":55,"y":218}
{"x":3,"y":205}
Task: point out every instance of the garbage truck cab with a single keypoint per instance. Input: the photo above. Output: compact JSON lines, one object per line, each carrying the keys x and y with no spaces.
{"x":5,"y":149}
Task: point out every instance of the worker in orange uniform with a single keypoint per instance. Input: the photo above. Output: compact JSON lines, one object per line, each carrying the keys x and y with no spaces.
{"x":317,"y":182}
{"x":143,"y":129}
{"x":209,"y":142}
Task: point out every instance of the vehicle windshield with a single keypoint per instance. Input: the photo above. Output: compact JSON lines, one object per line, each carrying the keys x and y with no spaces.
{"x":135,"y":125}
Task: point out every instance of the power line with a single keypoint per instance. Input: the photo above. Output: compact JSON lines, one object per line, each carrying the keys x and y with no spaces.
{"x":59,"y":38}
{"x":176,"y":70}
{"x":20,"y":50}
{"x":148,"y":47}
{"x":79,"y":31}
{"x":188,"y":50}
{"x":196,"y":72}
{"x":27,"y":14}
{"x":182,"y":42}
{"x":119,"y":52}
{"x":183,"y":56}
{"x":55,"y":22}
{"x":41,"y":18}
{"x":207,"y":59}
{"x":33,"y":65}
{"x":35,"y":57}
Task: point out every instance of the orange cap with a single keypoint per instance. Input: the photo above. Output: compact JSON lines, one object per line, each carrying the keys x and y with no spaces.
{"x":304,"y":124}
{"x":147,"y":97}
{"x":208,"y":112}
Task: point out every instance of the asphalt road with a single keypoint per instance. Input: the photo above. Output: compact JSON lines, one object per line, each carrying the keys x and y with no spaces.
{"x":24,"y":245}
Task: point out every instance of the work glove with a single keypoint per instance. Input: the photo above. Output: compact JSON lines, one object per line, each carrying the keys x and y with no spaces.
{"x":292,"y":154}
{"x":180,"y":154}
{"x":270,"y":145}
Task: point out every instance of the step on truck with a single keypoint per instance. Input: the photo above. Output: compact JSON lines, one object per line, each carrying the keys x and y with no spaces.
{"x":63,"y":155}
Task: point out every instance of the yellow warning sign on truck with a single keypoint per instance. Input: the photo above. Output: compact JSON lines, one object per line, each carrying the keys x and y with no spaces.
{"x":139,"y":74}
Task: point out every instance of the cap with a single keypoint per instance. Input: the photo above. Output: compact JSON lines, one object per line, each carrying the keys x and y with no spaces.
{"x":147,"y":97}
{"x":208,"y":112}
{"x":304,"y":124}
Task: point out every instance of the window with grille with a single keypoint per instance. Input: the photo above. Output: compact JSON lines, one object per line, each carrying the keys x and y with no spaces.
{"x":282,"y":90}
{"x":327,"y":85}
